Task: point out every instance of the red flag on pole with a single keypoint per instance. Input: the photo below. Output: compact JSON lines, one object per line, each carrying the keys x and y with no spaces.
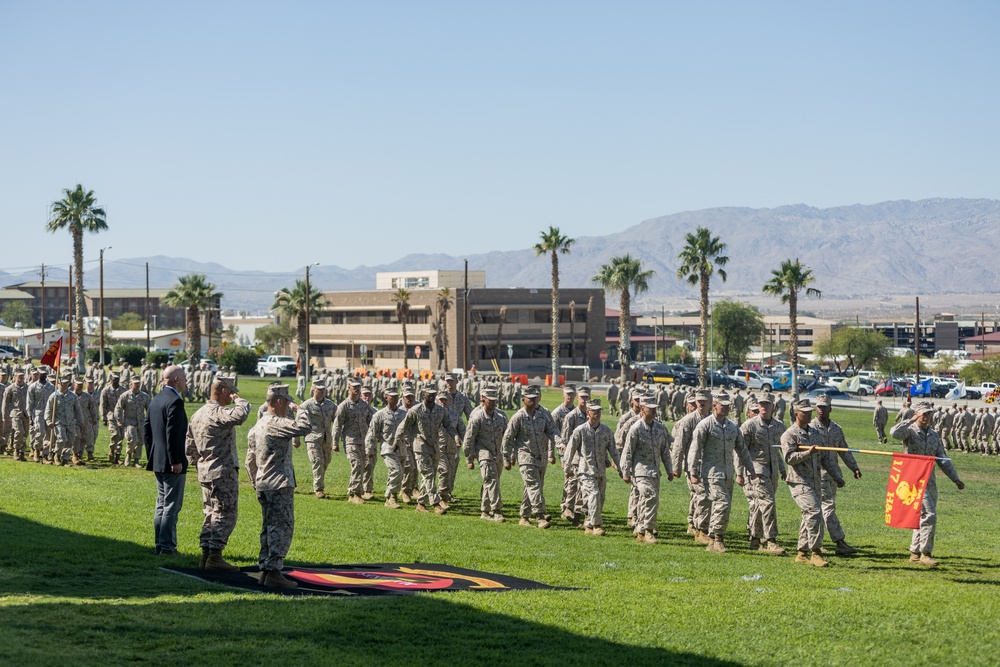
{"x":905,"y":494}
{"x":53,"y":355}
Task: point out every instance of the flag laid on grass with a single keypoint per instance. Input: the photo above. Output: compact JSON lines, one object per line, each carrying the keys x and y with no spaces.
{"x":53,"y":355}
{"x":905,"y":494}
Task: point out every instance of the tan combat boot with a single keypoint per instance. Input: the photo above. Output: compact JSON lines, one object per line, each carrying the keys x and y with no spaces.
{"x":421,"y":508}
{"x":914,"y":557}
{"x":772,"y":548}
{"x":320,"y":495}
{"x":543,"y":524}
{"x":274,"y":579}
{"x":598,"y":532}
{"x":524,"y":521}
{"x":77,"y":461}
{"x":355,"y":500}
{"x":844,"y":549}
{"x":701,"y":538}
{"x":367,"y":496}
{"x":587,"y":530}
{"x":802,"y":557}
{"x":817,"y":561}
{"x":498,"y":517}
{"x":927,"y":561}
{"x":690,"y":529}
{"x":485,"y":517}
{"x":754,"y":544}
{"x":404,"y":497}
{"x":216,"y":562}
{"x":204,"y":557}
{"x":649,"y":538}
{"x":440,"y":508}
{"x":391,"y":503}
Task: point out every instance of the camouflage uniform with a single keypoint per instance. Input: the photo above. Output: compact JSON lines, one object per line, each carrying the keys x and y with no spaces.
{"x":38,"y":396}
{"x":805,"y":482}
{"x":272,"y":473}
{"x":319,"y":440}
{"x":762,"y":440}
{"x":63,"y":417}
{"x":351,"y":427}
{"x":211,"y":447}
{"x":588,"y":450}
{"x":683,"y":436}
{"x":88,"y":428}
{"x":130,"y":412}
{"x":448,"y":453}
{"x":15,"y":411}
{"x":108,"y":402}
{"x":647,"y":446}
{"x":925,"y":442}
{"x":530,"y":440}
{"x":711,"y":460}
{"x":424,"y":427}
{"x":572,"y":501}
{"x":484,"y":445}
{"x":4,"y":422}
{"x":381,"y":436}
{"x":831,"y":435}
{"x":879,"y":419}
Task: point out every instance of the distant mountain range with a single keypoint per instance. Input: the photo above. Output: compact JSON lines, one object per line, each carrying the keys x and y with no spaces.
{"x":902,"y":247}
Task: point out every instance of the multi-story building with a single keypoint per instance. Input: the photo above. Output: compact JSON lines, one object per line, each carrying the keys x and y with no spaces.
{"x":511,"y":326}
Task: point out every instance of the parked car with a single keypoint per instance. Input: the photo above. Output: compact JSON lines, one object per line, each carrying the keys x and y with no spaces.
{"x":832,"y":392}
{"x":276,"y":365}
{"x":753,"y":379}
{"x":9,"y":352}
{"x":716,"y":379}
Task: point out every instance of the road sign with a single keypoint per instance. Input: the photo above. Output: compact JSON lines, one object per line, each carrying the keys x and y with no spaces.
{"x":364,"y":349}
{"x":604,"y":355}
{"x":416,"y":351}
{"x":510,"y":351}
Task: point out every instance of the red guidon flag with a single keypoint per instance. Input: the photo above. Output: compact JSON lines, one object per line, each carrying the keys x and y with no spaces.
{"x":905,"y":493}
{"x":53,"y":355}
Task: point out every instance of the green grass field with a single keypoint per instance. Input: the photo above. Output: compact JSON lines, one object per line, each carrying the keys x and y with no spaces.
{"x":79,"y":582}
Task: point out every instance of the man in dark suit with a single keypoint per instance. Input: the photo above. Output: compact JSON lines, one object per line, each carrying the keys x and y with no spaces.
{"x":164,"y":431}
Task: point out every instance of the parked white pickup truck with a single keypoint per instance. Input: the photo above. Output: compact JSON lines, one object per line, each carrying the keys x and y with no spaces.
{"x":277,"y":366}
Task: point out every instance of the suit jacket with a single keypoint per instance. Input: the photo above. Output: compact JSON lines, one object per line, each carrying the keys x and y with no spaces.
{"x":164,"y":431}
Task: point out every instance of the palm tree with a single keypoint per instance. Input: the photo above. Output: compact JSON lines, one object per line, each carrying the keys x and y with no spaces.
{"x":290,"y":304}
{"x":78,"y":211}
{"x":401,"y":297}
{"x":786,"y":282}
{"x":554,"y":243}
{"x":701,"y":257}
{"x":194,"y":293}
{"x":623,"y":274}
{"x":587,"y":330}
{"x":444,"y":301}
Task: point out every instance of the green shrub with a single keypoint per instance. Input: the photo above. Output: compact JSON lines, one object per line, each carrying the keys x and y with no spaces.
{"x":158,"y":358}
{"x":244,"y":359}
{"x":180,"y":357}
{"x":133,"y":354}
{"x":94,"y":355}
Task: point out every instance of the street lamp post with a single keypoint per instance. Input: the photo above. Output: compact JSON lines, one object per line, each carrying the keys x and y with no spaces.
{"x":101,"y":323}
{"x":308,"y":319}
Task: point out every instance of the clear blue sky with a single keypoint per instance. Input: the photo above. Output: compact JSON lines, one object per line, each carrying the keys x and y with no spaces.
{"x":266,"y":135}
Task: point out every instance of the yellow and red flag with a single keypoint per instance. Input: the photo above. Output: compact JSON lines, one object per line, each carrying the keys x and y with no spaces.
{"x":905,"y":493}
{"x":53,"y":355}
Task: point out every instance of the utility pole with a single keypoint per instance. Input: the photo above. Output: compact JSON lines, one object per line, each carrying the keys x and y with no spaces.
{"x":147,"y":309}
{"x":465,"y":321}
{"x":916,"y":339}
{"x":42,"y":314}
{"x":305,"y":362}
{"x":101,"y":323}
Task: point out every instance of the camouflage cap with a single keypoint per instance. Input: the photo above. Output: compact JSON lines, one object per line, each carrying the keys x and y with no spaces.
{"x":490,"y":394}
{"x":583,"y":391}
{"x":354,"y":382}
{"x":922,"y":407}
{"x":367,"y":390}
{"x":227,"y":381}
{"x":41,"y":370}
{"x":115,"y":375}
{"x":766,"y":398}
{"x":649,"y":403}
{"x":703,"y":395}
{"x":595,"y":405}
{"x":691,"y":398}
{"x":277,"y":390}
{"x":408,"y":391}
{"x":722,"y":399}
{"x":320,"y":385}
{"x":430,"y":391}
{"x":66,"y":377}
{"x":450,"y":377}
{"x":802,"y":406}
{"x":392,"y":392}
{"x":78,"y":380}
{"x":569,"y":390}
{"x":752,"y":405}
{"x":824,"y":401}
{"x":444,"y":397}
{"x":533,"y":391}
{"x":19,"y":372}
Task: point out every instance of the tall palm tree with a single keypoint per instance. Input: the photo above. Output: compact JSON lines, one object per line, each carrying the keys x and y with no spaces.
{"x":554,"y":243}
{"x":587,"y":331}
{"x":623,"y":275}
{"x":194,"y":293}
{"x":78,"y":211}
{"x":700,"y":258}
{"x":401,"y":297}
{"x":443,"y":303}
{"x":787,"y":282}
{"x":290,"y":304}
